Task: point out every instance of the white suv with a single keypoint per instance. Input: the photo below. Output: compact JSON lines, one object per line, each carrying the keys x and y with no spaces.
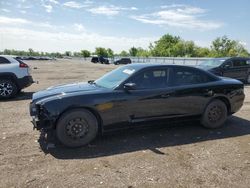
{"x":14,"y":76}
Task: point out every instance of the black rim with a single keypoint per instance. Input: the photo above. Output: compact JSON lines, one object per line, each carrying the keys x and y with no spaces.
{"x":77,"y":128}
{"x":6,"y":89}
{"x":215,"y":114}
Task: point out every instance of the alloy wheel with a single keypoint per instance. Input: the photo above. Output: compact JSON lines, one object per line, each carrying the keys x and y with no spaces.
{"x":6,"y":89}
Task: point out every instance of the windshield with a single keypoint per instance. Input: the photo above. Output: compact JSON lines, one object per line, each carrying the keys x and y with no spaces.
{"x":212,"y":63}
{"x":115,"y":77}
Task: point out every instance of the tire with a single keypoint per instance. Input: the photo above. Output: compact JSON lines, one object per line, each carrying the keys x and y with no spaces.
{"x":8,"y":89}
{"x":215,"y":114}
{"x":76,"y":128}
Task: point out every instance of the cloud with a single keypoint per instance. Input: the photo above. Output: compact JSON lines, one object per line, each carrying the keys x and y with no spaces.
{"x":74,"y":4}
{"x":48,"y":4}
{"x":23,"y":11}
{"x":105,"y":10}
{"x":109,"y":10}
{"x":53,"y":1}
{"x":5,"y":10}
{"x":7,"y":21}
{"x":181,"y":16}
{"x":79,"y":27}
{"x":22,"y":38}
{"x":12,"y":21}
{"x":48,"y":8}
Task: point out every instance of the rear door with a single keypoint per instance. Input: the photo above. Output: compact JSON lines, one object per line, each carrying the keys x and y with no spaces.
{"x":238,"y":68}
{"x":192,"y":90}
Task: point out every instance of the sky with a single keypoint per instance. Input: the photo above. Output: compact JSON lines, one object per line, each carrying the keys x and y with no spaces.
{"x":54,"y":25}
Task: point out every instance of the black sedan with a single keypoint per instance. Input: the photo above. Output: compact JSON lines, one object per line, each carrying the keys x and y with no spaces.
{"x":132,"y":94}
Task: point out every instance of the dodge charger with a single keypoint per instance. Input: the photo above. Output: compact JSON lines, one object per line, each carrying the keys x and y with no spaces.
{"x":133,"y":95}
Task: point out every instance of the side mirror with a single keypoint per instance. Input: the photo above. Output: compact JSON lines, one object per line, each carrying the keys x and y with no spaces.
{"x":129,"y":86}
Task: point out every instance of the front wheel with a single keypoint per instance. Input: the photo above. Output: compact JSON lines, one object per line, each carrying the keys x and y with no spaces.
{"x":215,"y":114}
{"x":77,"y":128}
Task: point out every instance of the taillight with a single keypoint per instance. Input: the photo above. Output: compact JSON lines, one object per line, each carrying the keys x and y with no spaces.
{"x":23,"y":65}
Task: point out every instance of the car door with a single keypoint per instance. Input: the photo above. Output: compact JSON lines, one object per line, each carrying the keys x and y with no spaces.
{"x":192,"y":91}
{"x":235,"y":68}
{"x":149,"y":100}
{"x":240,"y":68}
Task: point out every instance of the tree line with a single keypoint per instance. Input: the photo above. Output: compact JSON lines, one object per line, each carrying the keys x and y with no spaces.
{"x":167,"y":46}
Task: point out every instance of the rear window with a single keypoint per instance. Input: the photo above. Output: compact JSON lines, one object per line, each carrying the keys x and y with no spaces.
{"x":239,"y":62}
{"x":187,"y":76}
{"x":3,"y":60}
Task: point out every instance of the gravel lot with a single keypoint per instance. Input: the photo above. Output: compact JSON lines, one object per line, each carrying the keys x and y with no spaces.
{"x":185,"y":155}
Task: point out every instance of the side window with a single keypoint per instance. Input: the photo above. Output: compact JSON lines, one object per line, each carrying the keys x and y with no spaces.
{"x":248,"y":62}
{"x":228,"y":64}
{"x":187,"y":76}
{"x":4,"y":60}
{"x":239,"y":62}
{"x":151,"y":79}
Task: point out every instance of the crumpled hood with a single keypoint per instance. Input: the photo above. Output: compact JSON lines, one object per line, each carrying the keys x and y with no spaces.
{"x":64,"y":89}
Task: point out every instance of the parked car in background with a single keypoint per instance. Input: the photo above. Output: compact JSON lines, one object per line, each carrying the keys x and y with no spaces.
{"x":100,"y":59}
{"x":235,"y":67}
{"x":135,"y":94}
{"x":94,"y":59}
{"x":123,"y":61}
{"x":103,"y":60}
{"x":14,"y":76}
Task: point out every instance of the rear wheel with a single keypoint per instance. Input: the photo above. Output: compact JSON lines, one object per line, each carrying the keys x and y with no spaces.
{"x":77,"y":128}
{"x":8,"y":89}
{"x":215,"y":114}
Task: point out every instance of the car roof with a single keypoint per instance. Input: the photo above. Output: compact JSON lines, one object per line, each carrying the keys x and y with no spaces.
{"x":226,"y":58}
{"x":145,"y":65}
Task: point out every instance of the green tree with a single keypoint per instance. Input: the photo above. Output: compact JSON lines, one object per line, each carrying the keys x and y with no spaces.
{"x":223,"y":46}
{"x":85,"y":53}
{"x":110,"y":52}
{"x":124,"y":53}
{"x":202,"y":52}
{"x":165,"y":46}
{"x":133,"y":51}
{"x":142,"y":52}
{"x":101,"y":51}
{"x":31,"y":52}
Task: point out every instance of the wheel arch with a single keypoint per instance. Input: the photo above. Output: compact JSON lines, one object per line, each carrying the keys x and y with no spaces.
{"x":9,"y":76}
{"x":226,"y":101}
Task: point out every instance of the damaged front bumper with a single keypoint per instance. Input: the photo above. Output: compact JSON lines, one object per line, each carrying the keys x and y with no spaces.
{"x":40,"y":120}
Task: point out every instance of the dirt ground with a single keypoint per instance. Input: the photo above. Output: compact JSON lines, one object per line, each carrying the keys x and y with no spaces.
{"x":185,"y":155}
